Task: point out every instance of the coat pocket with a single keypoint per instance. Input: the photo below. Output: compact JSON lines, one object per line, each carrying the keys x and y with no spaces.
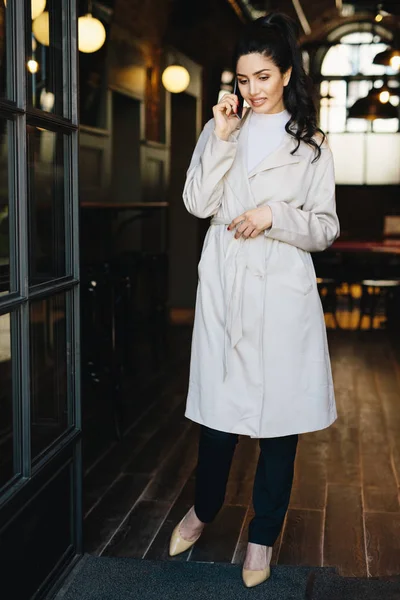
{"x":205,"y":251}
{"x":309,"y":279}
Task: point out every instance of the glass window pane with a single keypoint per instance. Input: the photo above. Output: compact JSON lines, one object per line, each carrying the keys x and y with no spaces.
{"x":48,"y":354}
{"x":7,"y":467}
{"x":337,"y":61}
{"x":356,"y":90}
{"x":357,"y":125}
{"x":324,"y":117}
{"x":5,"y":286}
{"x":46,"y":205}
{"x":383,"y":159}
{"x":367,"y":55}
{"x":358,"y":37}
{"x":5,"y":39}
{"x":337,"y":90}
{"x":44,"y":58}
{"x":337,"y":119}
{"x":386,"y":125}
{"x":348,"y":153}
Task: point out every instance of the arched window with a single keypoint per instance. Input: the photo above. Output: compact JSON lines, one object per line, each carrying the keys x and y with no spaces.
{"x":366,"y":152}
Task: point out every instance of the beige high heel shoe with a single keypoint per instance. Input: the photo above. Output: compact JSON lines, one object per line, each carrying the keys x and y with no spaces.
{"x":177,"y":543}
{"x":253,"y":578}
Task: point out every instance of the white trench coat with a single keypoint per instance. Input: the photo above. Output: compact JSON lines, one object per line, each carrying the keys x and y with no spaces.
{"x":260,"y":363}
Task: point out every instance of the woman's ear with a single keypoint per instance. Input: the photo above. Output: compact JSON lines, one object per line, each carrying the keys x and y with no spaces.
{"x":286,"y":76}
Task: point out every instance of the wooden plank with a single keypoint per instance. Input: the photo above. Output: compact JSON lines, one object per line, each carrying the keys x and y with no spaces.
{"x":107,"y":515}
{"x":375,"y":451}
{"x":383,"y":543}
{"x":302,"y":538}
{"x":344,"y":544}
{"x":386,"y":371}
{"x":100,"y":477}
{"x":156,"y":450}
{"x":344,"y":460}
{"x":219,"y":539}
{"x":136,"y":534}
{"x":241,"y":547}
{"x":311,"y":458}
{"x":308,"y":496}
{"x":381,"y":499}
{"x":169,"y":479}
{"x":160,"y":545}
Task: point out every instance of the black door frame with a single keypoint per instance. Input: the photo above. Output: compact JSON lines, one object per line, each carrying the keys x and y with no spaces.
{"x":32,"y":479}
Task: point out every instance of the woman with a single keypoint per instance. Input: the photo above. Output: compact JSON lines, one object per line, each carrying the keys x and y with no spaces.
{"x":260,"y":364}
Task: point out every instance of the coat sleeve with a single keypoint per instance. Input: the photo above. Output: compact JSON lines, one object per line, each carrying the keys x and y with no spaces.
{"x":315,"y":226}
{"x":211,"y":160}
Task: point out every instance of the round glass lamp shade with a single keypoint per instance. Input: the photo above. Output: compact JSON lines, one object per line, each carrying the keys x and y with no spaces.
{"x":175,"y":79}
{"x":91,"y":34}
{"x":40,"y":28}
{"x":37,"y":7}
{"x":371,"y":107}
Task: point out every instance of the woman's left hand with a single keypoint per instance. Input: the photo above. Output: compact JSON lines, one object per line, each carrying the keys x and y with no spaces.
{"x":252,"y":222}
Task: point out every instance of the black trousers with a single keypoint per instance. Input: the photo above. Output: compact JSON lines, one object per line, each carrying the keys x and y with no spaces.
{"x":272,"y":483}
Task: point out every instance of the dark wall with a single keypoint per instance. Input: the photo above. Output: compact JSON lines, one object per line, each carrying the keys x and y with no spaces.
{"x":362,"y":209}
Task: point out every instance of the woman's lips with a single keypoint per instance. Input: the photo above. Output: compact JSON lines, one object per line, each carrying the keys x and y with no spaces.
{"x":258,"y":101}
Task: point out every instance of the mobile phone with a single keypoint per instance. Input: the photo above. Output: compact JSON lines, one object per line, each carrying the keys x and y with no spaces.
{"x":236,"y":91}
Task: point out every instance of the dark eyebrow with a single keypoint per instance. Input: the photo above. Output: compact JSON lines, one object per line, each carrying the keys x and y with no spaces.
{"x":256,"y":73}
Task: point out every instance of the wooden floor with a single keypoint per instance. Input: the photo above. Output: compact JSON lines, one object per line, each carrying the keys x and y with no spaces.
{"x":344,"y":508}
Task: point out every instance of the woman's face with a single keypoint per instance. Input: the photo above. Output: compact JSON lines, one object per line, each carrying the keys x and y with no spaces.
{"x":261,"y":83}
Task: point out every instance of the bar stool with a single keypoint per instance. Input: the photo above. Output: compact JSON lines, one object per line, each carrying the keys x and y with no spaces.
{"x":327,"y":292}
{"x":374,"y":293}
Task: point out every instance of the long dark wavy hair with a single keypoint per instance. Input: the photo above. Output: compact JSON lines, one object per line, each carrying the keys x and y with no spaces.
{"x":275,"y":36}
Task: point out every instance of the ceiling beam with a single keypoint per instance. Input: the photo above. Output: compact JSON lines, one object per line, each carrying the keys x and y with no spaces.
{"x":301,"y":16}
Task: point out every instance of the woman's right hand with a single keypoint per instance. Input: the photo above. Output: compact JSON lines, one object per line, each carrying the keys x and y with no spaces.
{"x":225,"y":117}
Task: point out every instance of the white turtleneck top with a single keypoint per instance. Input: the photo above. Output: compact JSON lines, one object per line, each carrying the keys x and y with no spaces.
{"x":266,"y":134}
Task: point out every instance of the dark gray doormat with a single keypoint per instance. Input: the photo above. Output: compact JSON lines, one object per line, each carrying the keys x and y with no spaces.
{"x":106,"y":578}
{"x":327,"y":586}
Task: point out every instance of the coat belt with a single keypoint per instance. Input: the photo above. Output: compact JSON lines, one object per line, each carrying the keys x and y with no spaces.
{"x":234,"y":288}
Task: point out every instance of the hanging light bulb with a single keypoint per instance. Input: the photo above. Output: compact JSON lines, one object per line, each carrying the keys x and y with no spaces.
{"x":391,"y":56}
{"x":384,"y":96}
{"x":33,"y":66}
{"x":40,"y":28}
{"x":175,"y":79}
{"x":91,"y":34}
{"x":37,"y":7}
{"x":395,"y":61}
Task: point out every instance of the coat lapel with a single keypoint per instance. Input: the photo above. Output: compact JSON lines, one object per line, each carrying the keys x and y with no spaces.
{"x":279,"y":158}
{"x":238,"y":176}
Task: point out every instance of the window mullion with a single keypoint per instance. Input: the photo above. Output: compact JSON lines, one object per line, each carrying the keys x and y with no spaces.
{"x":20,"y":206}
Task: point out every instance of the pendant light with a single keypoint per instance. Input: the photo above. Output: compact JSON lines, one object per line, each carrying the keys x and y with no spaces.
{"x":37,"y":7}
{"x":391,"y":56}
{"x":388,"y":58}
{"x":40,"y":28}
{"x":374,"y":106}
{"x":91,"y":32}
{"x":175,"y":78}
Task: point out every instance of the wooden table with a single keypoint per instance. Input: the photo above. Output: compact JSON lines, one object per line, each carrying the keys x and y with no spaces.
{"x":384,"y":247}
